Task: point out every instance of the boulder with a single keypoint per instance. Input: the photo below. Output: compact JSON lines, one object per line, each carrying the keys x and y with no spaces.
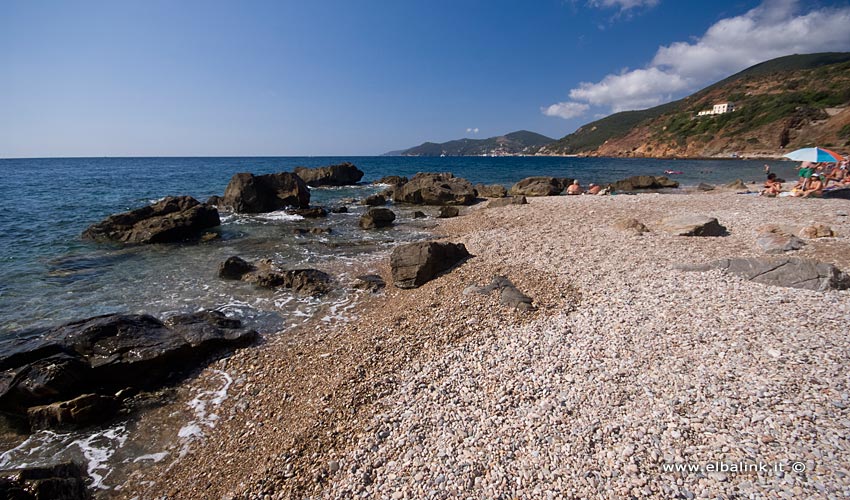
{"x":509,"y":294}
{"x":702,"y":186}
{"x":339,"y":210}
{"x":539,"y":186}
{"x":310,"y":282}
{"x":630,"y":225}
{"x":737,"y":184}
{"x":786,"y":272}
{"x":376,"y":218}
{"x":773,"y":239}
{"x":214,"y":200}
{"x":175,"y":218}
{"x":436,"y":189}
{"x":419,"y":215}
{"x":309,"y":213}
{"x":234,"y":268}
{"x":638,"y":182}
{"x":817,"y":231}
{"x":82,"y":411}
{"x":510,"y":200}
{"x":370,"y":282}
{"x":65,"y":481}
{"x":491,"y":190}
{"x":692,"y":225}
{"x":414,"y":264}
{"x":375,"y":200}
{"x":343,"y":174}
{"x":249,"y":193}
{"x":106,"y":353}
{"x":448,"y":212}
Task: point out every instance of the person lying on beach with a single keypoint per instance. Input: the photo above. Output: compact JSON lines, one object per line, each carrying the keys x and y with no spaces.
{"x":837,"y":174}
{"x":815,"y":187}
{"x":574,"y":188}
{"x":593,"y":188}
{"x":772,"y":186}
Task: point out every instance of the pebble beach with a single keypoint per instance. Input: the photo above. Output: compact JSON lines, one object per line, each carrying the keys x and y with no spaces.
{"x":631,"y":378}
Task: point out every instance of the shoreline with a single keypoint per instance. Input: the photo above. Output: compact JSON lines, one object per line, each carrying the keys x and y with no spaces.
{"x":339,"y":409}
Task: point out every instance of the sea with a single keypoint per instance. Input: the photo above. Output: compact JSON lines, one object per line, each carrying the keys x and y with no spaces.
{"x":49,"y":275}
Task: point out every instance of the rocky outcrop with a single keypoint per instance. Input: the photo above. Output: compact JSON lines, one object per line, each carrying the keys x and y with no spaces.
{"x":509,"y":294}
{"x":773,"y":239}
{"x":638,"y":182}
{"x":66,"y":481}
{"x":630,"y":225}
{"x":786,"y":272}
{"x":377,"y":218}
{"x":692,"y":225}
{"x":504,"y":202}
{"x":175,"y":218}
{"x":234,"y":268}
{"x":104,"y":354}
{"x":249,"y":193}
{"x":414,"y":264}
{"x":266,"y":274}
{"x":491,"y":190}
{"x":436,"y":189}
{"x":309,"y":213}
{"x":448,"y":212}
{"x":370,"y":282}
{"x":394,"y":181}
{"x":375,"y":200}
{"x":82,"y":411}
{"x":540,"y":186}
{"x":343,"y":174}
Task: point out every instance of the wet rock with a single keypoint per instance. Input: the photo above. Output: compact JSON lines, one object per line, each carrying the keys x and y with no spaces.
{"x":82,"y":411}
{"x":436,"y":189}
{"x":304,"y":281}
{"x":377,"y":218}
{"x":631,"y":226}
{"x":692,"y":225}
{"x":786,"y":272}
{"x":491,"y":190}
{"x":510,"y":200}
{"x":509,"y":294}
{"x":175,"y":218}
{"x":249,"y":193}
{"x":234,"y":268}
{"x":343,"y":174}
{"x":214,"y":200}
{"x":638,"y":182}
{"x":211,"y":236}
{"x":394,"y":181}
{"x":817,"y":231}
{"x":375,"y":200}
{"x":309,"y":213}
{"x":702,"y":186}
{"x":66,"y":481}
{"x":339,"y":210}
{"x":370,"y":282}
{"x":448,"y":212}
{"x":773,"y":239}
{"x":107,"y":353}
{"x":540,"y":186}
{"x":419,"y":215}
{"x":415,"y":264}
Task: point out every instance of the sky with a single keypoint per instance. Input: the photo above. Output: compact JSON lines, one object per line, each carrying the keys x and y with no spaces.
{"x":362,"y":77}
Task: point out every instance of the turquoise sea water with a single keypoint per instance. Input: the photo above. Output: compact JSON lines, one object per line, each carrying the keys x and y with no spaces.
{"x":49,"y":275}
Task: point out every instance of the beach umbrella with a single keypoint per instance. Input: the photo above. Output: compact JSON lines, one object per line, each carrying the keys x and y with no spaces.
{"x":815,"y":155}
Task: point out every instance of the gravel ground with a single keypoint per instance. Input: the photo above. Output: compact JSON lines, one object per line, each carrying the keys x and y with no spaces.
{"x":627,"y":368}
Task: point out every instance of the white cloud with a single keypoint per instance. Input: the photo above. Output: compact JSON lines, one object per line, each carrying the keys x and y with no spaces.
{"x":565,"y":110}
{"x":623,"y":4}
{"x":773,"y":29}
{"x":472,"y":130}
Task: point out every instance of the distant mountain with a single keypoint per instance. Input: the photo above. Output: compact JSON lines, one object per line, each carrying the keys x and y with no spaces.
{"x":781,"y":104}
{"x":511,"y":144}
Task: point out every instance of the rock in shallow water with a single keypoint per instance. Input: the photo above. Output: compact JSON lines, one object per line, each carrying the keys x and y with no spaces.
{"x":448,"y":212}
{"x":377,"y":218}
{"x":249,"y":193}
{"x":415,"y":264}
{"x":64,"y":481}
{"x":435,"y":189}
{"x":343,"y":174}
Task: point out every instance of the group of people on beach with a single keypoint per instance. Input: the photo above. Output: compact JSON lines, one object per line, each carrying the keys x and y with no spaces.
{"x":575,"y":188}
{"x":813,"y":179}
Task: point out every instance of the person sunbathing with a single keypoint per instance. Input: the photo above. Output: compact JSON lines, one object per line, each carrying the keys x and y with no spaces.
{"x":815,"y":187}
{"x":772,"y":186}
{"x":593,"y":188}
{"x":574,"y":188}
{"x":836,"y":175}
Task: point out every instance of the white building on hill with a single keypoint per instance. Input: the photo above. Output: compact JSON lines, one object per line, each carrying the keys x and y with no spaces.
{"x":718,"y":109}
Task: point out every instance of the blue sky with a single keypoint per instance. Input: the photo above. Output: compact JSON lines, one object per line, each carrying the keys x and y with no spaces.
{"x":165,"y":78}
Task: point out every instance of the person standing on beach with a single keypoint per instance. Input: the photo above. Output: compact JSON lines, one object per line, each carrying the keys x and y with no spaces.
{"x":805,"y":174}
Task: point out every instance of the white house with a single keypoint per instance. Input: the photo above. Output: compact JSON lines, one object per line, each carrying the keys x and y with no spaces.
{"x":718,"y":109}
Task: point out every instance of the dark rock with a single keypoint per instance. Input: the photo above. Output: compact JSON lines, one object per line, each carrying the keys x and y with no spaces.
{"x":214,"y":200}
{"x":66,"y":481}
{"x":702,"y":186}
{"x":309,"y":213}
{"x":339,"y":210}
{"x":304,"y":281}
{"x":840,"y":194}
{"x":320,"y":230}
{"x":631,"y":225}
{"x":419,"y":215}
{"x":510,"y":200}
{"x":249,"y":193}
{"x":107,"y":353}
{"x":539,"y":186}
{"x":370,"y":282}
{"x":448,"y":212}
{"x":773,"y":239}
{"x":693,"y":225}
{"x":85,"y":410}
{"x":509,"y":294}
{"x":234,"y":268}
{"x":376,"y":218}
{"x":786,"y":272}
{"x":394,"y":181}
{"x":491,"y":190}
{"x":175,"y":218}
{"x":415,"y":264}
{"x":343,"y":174}
{"x":436,"y":189}
{"x":375,"y":200}
{"x":638,"y":182}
